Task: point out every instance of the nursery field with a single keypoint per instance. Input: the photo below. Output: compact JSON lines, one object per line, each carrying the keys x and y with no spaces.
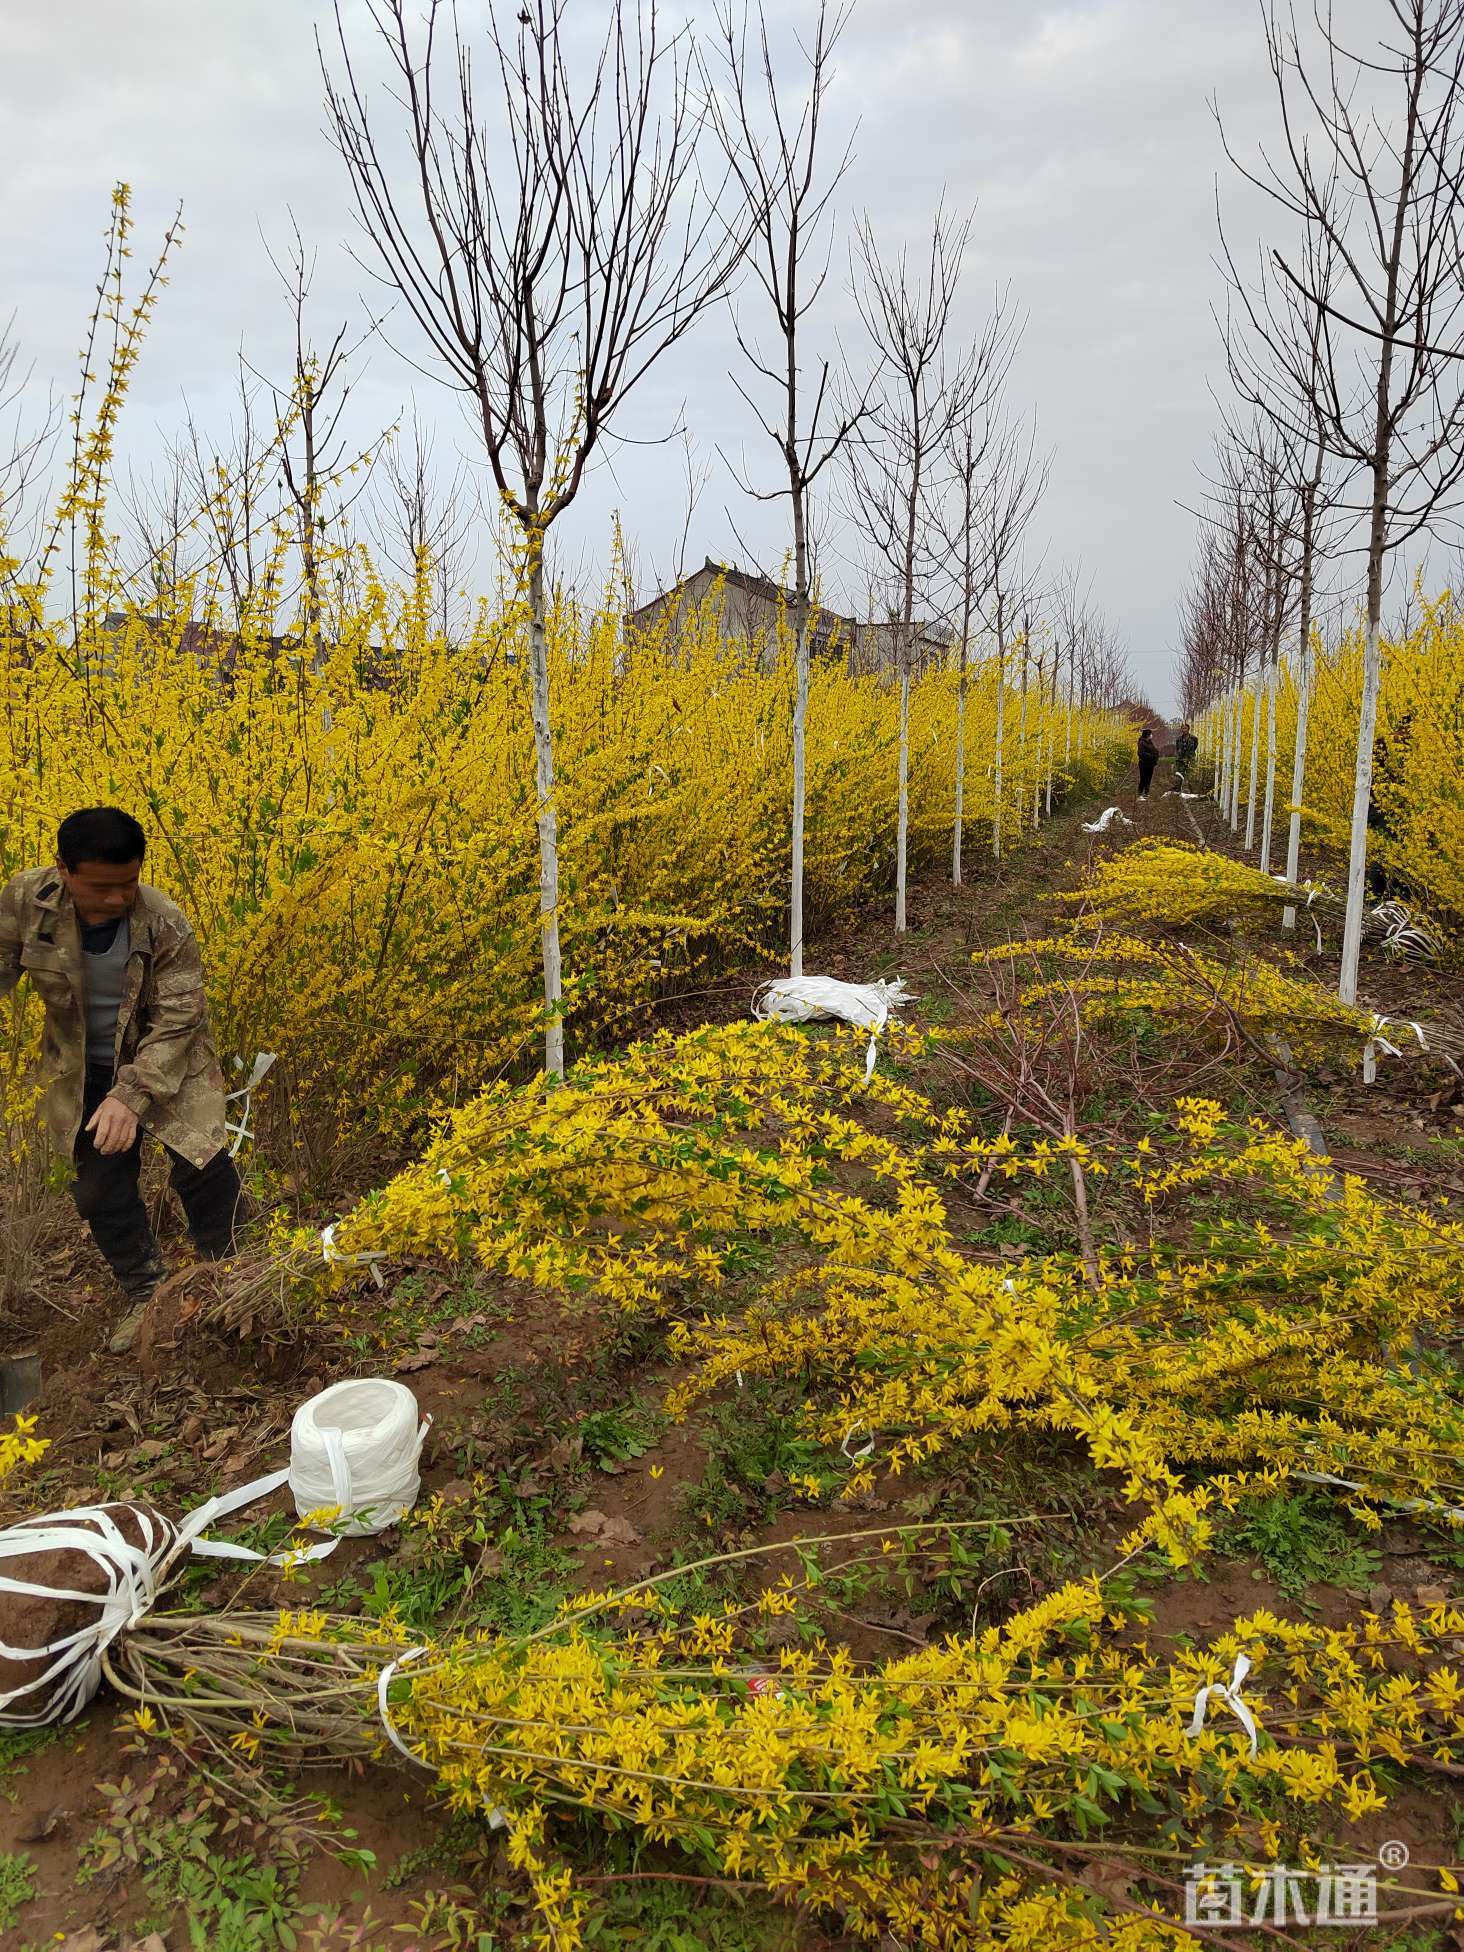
{"x":939,"y":1507}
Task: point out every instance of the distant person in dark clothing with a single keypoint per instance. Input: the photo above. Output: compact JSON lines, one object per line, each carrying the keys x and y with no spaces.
{"x":1186,"y":746}
{"x":1148,"y":760}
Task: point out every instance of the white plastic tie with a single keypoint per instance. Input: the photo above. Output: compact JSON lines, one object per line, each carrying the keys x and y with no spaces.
{"x":1229,"y":1693}
{"x":259,"y":1070}
{"x":496,"y":1818}
{"x":864,"y":1450}
{"x":338,"y":1257}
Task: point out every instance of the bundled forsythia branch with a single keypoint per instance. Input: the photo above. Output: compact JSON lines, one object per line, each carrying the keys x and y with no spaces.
{"x":942,"y":1796}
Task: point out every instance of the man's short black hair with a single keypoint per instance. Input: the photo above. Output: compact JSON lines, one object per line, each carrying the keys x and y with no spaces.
{"x":99,"y":834}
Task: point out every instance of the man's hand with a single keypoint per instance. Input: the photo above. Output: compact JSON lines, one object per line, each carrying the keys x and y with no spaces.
{"x":112,"y":1126}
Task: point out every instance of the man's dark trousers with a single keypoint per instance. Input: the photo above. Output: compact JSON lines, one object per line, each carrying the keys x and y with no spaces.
{"x":106,"y":1195}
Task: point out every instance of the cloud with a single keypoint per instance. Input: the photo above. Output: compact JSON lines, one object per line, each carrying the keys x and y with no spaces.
{"x":1081,"y":134}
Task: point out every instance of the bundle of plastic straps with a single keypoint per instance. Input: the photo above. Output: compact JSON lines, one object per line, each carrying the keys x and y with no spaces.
{"x":810,"y":999}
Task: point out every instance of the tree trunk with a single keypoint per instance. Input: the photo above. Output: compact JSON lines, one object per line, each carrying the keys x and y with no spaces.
{"x":1268,"y":813}
{"x":960,"y":765}
{"x":800,"y":724}
{"x":1303,"y":705}
{"x":1237,"y":731}
{"x":1000,"y":731}
{"x":1254,"y":768}
{"x":902,"y":825}
{"x":548,"y":819}
{"x":1367,"y":726}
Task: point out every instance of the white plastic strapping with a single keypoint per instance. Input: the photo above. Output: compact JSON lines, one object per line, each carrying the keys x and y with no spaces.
{"x":496,"y":1819}
{"x":354,"y":1449}
{"x":258,"y":1071}
{"x":338,"y":1257}
{"x":1106,"y":819}
{"x":811,"y":999}
{"x":133,"y":1575}
{"x":1229,"y":1693}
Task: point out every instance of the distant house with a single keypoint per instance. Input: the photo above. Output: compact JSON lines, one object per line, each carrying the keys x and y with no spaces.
{"x":750,"y":608}
{"x":211,"y":647}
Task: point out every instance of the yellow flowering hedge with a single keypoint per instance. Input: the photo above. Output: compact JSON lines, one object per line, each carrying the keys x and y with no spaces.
{"x":1267,"y":1347}
{"x":1418,"y":791}
{"x":355,"y":842}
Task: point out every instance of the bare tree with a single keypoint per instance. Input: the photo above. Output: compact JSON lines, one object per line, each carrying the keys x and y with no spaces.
{"x":1016,"y":479}
{"x":231,"y":487}
{"x":957,"y":515}
{"x":893,"y":472}
{"x":1278,"y":370}
{"x":27,"y":444}
{"x":1381,"y":200}
{"x":549,"y":255}
{"x":772,"y":149}
{"x":422,"y":523}
{"x":316,"y":460}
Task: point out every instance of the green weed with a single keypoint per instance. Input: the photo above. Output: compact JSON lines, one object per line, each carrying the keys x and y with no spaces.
{"x":17,"y":1886}
{"x":1304,"y":1541}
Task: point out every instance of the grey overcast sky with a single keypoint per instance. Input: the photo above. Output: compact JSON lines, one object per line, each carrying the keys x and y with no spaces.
{"x":1081,"y":133}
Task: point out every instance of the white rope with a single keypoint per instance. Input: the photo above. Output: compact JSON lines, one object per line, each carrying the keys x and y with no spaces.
{"x":1229,"y":1693}
{"x":133,"y":1574}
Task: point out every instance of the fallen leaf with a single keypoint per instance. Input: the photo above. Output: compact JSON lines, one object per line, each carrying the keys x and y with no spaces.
{"x":39,"y":1827}
{"x":597,"y":1527}
{"x":153,"y":1447}
{"x":88,"y":1939}
{"x":1431,"y":1595}
{"x":418,"y":1359}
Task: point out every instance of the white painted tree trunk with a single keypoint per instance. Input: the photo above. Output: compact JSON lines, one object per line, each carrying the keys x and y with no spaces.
{"x":1298,"y":779}
{"x":1367,"y":728}
{"x":1255,"y":766}
{"x":1269,"y":811}
{"x":902,"y":827}
{"x":800,"y":787}
{"x":548,"y":823}
{"x":1236,"y":710}
{"x":960,"y":773}
{"x":1000,"y":742}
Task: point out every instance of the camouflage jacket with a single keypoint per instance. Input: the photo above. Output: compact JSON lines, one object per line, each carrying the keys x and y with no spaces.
{"x":167,"y":1070}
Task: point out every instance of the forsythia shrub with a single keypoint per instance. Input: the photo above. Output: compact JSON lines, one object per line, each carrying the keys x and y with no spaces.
{"x":1268,"y":1348}
{"x":936,"y":1795}
{"x":1417,"y":834}
{"x":353,"y":836}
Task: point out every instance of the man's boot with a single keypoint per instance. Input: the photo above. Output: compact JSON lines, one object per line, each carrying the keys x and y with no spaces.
{"x":139,"y":1288}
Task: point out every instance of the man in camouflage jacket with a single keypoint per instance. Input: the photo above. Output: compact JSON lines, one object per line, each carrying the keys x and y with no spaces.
{"x":126,"y":1045}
